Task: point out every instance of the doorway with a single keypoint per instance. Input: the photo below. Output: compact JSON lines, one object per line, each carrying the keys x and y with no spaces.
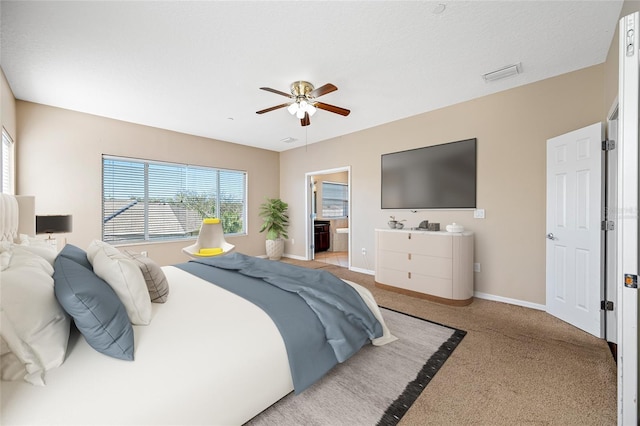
{"x":328,"y":228}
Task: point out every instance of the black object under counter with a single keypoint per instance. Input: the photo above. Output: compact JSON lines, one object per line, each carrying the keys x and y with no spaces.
{"x":321,"y":235}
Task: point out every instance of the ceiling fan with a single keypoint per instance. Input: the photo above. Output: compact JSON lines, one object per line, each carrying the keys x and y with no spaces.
{"x":304,"y":104}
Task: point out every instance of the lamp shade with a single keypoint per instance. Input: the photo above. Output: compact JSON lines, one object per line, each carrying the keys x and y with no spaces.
{"x":53,"y":224}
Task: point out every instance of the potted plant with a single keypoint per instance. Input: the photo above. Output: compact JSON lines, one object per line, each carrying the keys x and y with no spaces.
{"x":275,"y":221}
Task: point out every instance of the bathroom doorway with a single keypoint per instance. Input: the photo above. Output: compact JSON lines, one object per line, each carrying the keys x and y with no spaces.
{"x":329,"y":209}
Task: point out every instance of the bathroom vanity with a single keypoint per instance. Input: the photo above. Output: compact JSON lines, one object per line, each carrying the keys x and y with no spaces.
{"x":321,"y":235}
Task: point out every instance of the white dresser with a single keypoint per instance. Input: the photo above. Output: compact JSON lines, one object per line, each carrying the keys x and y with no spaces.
{"x":432,"y":265}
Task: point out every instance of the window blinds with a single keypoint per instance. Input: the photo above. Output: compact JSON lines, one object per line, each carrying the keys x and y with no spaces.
{"x":335,"y":199}
{"x":146,"y":200}
{"x":6,"y":157}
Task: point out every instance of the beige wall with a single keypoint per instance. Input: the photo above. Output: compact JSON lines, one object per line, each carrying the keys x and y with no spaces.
{"x":512,"y":128}
{"x":59,"y":158}
{"x":7,"y":106}
{"x":8,"y":111}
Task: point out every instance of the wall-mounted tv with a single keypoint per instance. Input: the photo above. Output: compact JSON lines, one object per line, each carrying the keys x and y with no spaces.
{"x":433,"y":177}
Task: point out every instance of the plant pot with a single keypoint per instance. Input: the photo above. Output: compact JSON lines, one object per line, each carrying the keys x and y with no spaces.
{"x":392,"y":224}
{"x":275,"y":248}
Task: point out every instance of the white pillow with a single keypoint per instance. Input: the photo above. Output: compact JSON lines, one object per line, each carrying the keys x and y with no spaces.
{"x":100,"y":246}
{"x":126,"y":279}
{"x":33,"y":326}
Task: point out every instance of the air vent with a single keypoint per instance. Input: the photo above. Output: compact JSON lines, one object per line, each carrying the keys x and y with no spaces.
{"x":505,"y":72}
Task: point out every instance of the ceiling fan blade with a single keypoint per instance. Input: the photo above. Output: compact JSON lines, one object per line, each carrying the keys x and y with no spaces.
{"x":332,"y":108}
{"x":272,"y":108}
{"x":322,"y":90}
{"x":277,"y":92}
{"x":305,"y":121}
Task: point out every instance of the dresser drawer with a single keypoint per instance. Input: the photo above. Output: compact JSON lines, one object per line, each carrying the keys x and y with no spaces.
{"x":434,"y":286}
{"x":416,"y":263}
{"x":417,"y":243}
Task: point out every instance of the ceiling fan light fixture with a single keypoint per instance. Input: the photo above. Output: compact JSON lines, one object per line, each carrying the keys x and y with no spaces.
{"x":311,"y":109}
{"x":302,"y":101}
{"x":293,"y":108}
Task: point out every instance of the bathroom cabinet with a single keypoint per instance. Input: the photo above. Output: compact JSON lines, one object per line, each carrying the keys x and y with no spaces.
{"x":321,"y":235}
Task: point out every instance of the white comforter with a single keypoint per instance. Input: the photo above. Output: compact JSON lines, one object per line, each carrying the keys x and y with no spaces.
{"x":208,"y":357}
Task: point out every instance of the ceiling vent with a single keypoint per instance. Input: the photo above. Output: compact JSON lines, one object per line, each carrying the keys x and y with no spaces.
{"x":505,"y":72}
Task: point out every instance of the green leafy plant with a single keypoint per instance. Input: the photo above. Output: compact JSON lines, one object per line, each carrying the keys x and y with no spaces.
{"x":275,"y":220}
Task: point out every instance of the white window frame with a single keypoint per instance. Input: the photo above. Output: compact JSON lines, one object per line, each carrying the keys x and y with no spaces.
{"x":345,"y":201}
{"x":169,"y":201}
{"x":7,"y":168}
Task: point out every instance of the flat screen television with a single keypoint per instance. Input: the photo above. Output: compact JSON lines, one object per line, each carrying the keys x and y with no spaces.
{"x":433,"y":177}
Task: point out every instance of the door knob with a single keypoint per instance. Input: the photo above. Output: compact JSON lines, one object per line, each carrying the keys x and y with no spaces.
{"x":550,"y":236}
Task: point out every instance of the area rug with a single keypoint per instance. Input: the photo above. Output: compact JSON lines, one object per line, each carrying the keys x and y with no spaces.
{"x":377,"y":385}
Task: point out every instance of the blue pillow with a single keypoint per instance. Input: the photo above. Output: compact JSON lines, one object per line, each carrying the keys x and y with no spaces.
{"x":77,"y":255}
{"x":96,"y":309}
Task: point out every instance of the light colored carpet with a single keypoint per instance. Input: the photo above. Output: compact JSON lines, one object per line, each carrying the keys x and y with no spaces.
{"x":359,"y":391}
{"x":515,"y":365}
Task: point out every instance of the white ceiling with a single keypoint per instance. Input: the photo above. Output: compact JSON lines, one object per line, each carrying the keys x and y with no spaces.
{"x":195,"y":67}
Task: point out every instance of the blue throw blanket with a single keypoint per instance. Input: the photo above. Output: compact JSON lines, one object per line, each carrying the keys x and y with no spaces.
{"x":346,"y":321}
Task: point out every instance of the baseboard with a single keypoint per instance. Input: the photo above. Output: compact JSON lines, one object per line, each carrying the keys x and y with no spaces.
{"x":510,"y":301}
{"x":362,"y":271}
{"x":293,"y":256}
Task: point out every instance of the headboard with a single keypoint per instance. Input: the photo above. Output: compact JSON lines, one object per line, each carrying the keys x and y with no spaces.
{"x":17,"y":216}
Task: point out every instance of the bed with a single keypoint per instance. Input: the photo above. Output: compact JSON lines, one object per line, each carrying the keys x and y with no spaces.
{"x":206,"y":356}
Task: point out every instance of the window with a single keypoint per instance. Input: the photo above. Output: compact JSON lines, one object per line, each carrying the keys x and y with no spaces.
{"x":152,"y":201}
{"x":6,"y":157}
{"x":335,"y":199}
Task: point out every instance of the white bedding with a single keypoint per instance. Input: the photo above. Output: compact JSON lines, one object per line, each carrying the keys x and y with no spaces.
{"x":186,"y":368}
{"x":207,"y":357}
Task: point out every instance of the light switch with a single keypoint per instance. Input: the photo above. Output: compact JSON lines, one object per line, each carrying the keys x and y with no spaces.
{"x":478,"y":214}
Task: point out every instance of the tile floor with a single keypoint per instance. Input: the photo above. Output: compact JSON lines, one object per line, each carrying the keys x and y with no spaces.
{"x":338,"y":258}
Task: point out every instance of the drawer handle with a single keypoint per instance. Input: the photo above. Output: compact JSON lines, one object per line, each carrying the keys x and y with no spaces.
{"x":409,"y":235}
{"x":408,"y":256}
{"x":409,"y":275}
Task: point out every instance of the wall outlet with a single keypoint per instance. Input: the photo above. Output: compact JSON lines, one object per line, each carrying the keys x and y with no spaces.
{"x":144,"y":253}
{"x":364,"y":251}
{"x":478,"y":214}
{"x":476,"y":267}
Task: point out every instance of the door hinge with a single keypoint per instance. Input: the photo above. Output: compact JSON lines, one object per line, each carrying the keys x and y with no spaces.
{"x":608,"y":145}
{"x":607,"y":225}
{"x":606,"y":305}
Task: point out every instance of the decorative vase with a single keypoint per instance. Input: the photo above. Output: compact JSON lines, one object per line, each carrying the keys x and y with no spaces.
{"x":275,"y":248}
{"x":392,"y":224}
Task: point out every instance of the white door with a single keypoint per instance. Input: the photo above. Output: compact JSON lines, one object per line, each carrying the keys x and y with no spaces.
{"x":610,"y":237}
{"x":574,"y":207}
{"x":627,"y":211}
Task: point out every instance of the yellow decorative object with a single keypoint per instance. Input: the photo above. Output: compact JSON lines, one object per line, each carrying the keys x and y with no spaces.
{"x":210,"y":220}
{"x":210,"y":251}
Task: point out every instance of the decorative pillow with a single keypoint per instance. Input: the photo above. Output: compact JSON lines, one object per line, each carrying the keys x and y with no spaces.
{"x":100,"y":246}
{"x":125,"y":278}
{"x":76,"y":254}
{"x":95,"y":308}
{"x":34,"y":328}
{"x":157,"y":283}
